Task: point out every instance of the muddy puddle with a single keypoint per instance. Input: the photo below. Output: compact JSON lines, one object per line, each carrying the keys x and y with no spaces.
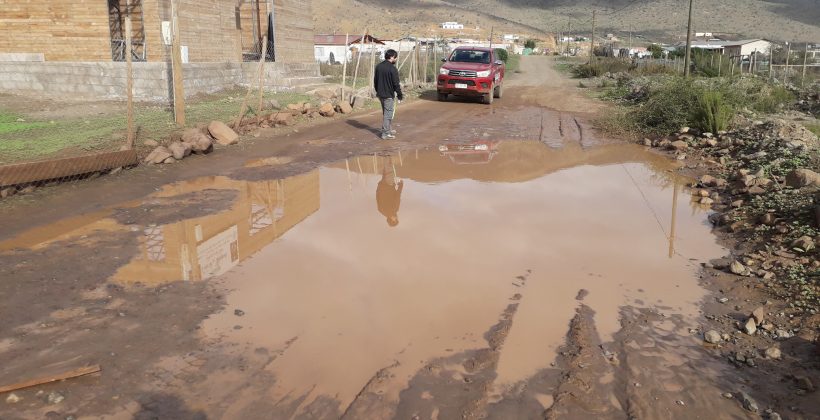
{"x":360,"y":287}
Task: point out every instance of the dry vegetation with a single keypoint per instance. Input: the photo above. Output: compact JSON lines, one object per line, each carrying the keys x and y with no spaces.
{"x":795,"y":20}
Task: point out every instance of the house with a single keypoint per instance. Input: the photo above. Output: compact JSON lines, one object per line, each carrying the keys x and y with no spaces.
{"x":703,"y":34}
{"x":509,"y":38}
{"x":332,"y":48}
{"x":452,"y":25}
{"x":746,"y":48}
{"x":77,"y":48}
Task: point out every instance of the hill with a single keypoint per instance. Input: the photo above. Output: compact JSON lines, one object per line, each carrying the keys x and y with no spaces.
{"x":661,"y":20}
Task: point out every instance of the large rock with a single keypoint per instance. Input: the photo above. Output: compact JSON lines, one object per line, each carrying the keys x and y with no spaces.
{"x":344,"y":107}
{"x":800,"y":178}
{"x":748,"y":402}
{"x":773,"y":353}
{"x":283,"y":118}
{"x":750,"y":327}
{"x":679,"y":145}
{"x":712,"y":337}
{"x":759,"y":315}
{"x":158,"y":155}
{"x":326,"y":110}
{"x":179,"y":149}
{"x":737,"y":268}
{"x":806,"y":243}
{"x":326,"y":94}
{"x":223,"y":134}
{"x":199,"y":141}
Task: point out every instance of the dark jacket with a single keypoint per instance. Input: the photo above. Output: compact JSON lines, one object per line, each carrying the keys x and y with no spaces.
{"x":386,"y":81}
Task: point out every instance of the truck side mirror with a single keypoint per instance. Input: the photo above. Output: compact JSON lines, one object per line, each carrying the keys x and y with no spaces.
{"x":443,"y":60}
{"x":499,"y":63}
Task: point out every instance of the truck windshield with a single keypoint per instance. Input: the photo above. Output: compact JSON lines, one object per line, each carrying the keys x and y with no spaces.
{"x":470,"y":56}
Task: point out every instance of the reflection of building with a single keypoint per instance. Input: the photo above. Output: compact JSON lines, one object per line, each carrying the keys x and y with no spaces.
{"x":200,"y":248}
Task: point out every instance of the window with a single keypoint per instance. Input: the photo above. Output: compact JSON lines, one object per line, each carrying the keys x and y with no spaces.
{"x":471,"y":56}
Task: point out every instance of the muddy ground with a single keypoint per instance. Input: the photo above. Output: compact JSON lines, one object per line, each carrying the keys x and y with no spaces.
{"x":556,"y":274}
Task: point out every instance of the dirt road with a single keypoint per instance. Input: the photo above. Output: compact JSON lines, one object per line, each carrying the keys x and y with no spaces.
{"x":499,"y":261}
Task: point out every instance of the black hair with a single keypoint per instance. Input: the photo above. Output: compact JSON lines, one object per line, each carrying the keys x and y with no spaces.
{"x":390,"y":54}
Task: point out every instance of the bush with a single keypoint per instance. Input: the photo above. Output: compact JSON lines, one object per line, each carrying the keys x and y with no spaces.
{"x":667,"y":108}
{"x":601,"y":67}
{"x":772,"y":98}
{"x":711,"y":113}
{"x":502,"y":54}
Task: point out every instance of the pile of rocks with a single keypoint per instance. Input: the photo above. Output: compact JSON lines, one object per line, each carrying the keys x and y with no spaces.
{"x":193,"y":141}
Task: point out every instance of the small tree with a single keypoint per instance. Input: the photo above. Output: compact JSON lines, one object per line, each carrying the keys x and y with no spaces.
{"x":656,"y":51}
{"x":502,"y":54}
{"x":530,"y":44}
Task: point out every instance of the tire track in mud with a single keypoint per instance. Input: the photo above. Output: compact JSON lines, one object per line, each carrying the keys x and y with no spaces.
{"x":456,"y":386}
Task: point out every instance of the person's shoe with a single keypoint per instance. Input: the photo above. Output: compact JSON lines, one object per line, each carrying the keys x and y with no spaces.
{"x":388,"y":136}
{"x":393,"y":132}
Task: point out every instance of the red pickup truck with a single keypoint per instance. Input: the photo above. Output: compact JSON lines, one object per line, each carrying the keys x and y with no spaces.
{"x":471,"y":71}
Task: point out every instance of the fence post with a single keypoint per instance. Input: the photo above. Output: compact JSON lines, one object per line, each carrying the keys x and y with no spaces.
{"x":720,"y":64}
{"x":129,"y":142}
{"x":245,"y":104}
{"x":344,"y":66}
{"x":262,"y":60}
{"x":358,"y":61}
{"x":373,"y":63}
{"x":786,"y":73}
{"x":176,"y":67}
{"x":805,"y":62}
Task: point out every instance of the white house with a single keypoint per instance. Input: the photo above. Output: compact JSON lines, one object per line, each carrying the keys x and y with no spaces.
{"x":452,"y":25}
{"x":703,"y":34}
{"x":511,"y":38}
{"x":747,"y":47}
{"x":339,"y":48}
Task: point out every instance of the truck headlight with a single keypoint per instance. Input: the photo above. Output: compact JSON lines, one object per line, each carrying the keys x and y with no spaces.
{"x":485,"y":73}
{"x":443,"y":71}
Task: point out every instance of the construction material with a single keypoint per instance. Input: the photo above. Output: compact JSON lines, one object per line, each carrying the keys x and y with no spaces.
{"x":243,"y":108}
{"x":23,"y":173}
{"x":75,"y":373}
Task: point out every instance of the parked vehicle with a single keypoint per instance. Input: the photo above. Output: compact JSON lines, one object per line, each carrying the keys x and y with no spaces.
{"x":471,"y":71}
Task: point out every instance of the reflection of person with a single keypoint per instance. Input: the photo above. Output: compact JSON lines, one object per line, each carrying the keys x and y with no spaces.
{"x":388,"y":89}
{"x":388,"y":195}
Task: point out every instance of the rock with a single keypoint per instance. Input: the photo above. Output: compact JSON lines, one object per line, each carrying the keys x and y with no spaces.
{"x":239,"y":312}
{"x":158,"y":155}
{"x":706,"y":201}
{"x":7,"y":192}
{"x":283,"y":118}
{"x":774,"y":416}
{"x":711,"y":142}
{"x":647,"y":142}
{"x":750,"y":327}
{"x":13,"y":399}
{"x":151,"y":143}
{"x":295,"y":107}
{"x":756,"y":190}
{"x":782,"y":334}
{"x":773,"y":353}
{"x":800,"y":178}
{"x":767,"y":219}
{"x":804,"y":383}
{"x":678,"y":145}
{"x":737,"y":203}
{"x":684,"y":130}
{"x":326,"y":94}
{"x":712,"y":337}
{"x":806,"y":243}
{"x":326,"y":110}
{"x":758,"y":315}
{"x":179,"y":149}
{"x":55,"y":398}
{"x":274,"y":104}
{"x":737,"y":268}
{"x":748,"y":402}
{"x":223,"y":134}
{"x":345,"y":107}
{"x":706,"y":180}
{"x":170,"y":160}
{"x":199,"y":141}
{"x":306,"y":107}
{"x":727,"y":395}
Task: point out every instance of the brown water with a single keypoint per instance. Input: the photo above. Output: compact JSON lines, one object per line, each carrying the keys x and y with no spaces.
{"x":328,"y":280}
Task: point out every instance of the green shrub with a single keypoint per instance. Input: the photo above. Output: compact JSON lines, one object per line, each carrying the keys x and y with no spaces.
{"x":711,"y":112}
{"x":502,"y":54}
{"x":771,"y":98}
{"x":667,"y":108}
{"x":601,"y":67}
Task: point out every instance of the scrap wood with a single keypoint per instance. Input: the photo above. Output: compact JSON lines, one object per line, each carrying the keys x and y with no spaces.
{"x":75,"y":373}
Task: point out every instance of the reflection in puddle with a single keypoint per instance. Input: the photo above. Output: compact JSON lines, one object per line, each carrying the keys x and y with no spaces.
{"x":412,"y":258}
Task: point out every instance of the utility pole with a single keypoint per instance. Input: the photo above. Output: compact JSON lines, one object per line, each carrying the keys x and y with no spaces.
{"x":788,"y":60}
{"x":592,"y":41}
{"x":688,"y":41}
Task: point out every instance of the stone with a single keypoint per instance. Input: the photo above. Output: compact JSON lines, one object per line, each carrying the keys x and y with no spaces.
{"x":13,"y":399}
{"x":283,"y":118}
{"x":706,"y":201}
{"x":239,"y":312}
{"x":678,"y":145}
{"x":774,"y":416}
{"x":773,"y":353}
{"x":737,"y":203}
{"x":768,"y":219}
{"x":325,"y":94}
{"x":170,"y":160}
{"x":295,"y":107}
{"x":759,"y":314}
{"x":806,"y":243}
{"x":345,"y":107}
{"x":274,"y":104}
{"x":737,"y":268}
{"x":706,"y":180}
{"x":756,"y":190}
{"x":800,"y":178}
{"x":151,"y":143}
{"x":223,"y":134}
{"x":179,"y":149}
{"x":55,"y":398}
{"x":748,"y":402}
{"x":158,"y":155}
{"x":306,"y":107}
{"x":684,"y":130}
{"x":647,"y":142}
{"x":199,"y":141}
{"x":326,"y":110}
{"x":750,"y":327}
{"x":712,"y":337}
{"x":7,"y":192}
{"x":804,"y":383}
{"x":711,"y":142}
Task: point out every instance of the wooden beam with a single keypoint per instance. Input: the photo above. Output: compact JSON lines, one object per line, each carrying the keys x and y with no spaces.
{"x":22,"y":173}
{"x":48,"y":379}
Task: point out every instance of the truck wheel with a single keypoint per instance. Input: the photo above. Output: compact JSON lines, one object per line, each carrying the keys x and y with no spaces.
{"x":499,"y":90}
{"x":488,"y":98}
{"x":442,"y":97}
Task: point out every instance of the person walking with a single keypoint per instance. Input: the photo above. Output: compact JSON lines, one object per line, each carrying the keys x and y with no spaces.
{"x":388,"y":90}
{"x":388,"y":194}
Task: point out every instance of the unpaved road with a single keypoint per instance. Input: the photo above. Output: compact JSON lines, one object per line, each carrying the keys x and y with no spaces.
{"x":326,"y":274}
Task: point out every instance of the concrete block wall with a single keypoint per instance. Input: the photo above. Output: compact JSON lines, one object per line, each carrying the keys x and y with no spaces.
{"x":293,"y":28}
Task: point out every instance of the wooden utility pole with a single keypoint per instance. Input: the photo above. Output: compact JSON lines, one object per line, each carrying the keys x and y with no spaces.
{"x":805,"y":63}
{"x":720,"y":64}
{"x":771,"y":59}
{"x":592,"y":41}
{"x":358,"y":61}
{"x":344,"y":66}
{"x":688,"y":41}
{"x":262,"y":60}
{"x":492,"y":30}
{"x":176,"y":66}
{"x":129,"y":141}
{"x":373,"y":63}
{"x":788,"y":58}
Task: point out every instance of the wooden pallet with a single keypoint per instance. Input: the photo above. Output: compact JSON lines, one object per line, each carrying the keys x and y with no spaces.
{"x":23,"y":173}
